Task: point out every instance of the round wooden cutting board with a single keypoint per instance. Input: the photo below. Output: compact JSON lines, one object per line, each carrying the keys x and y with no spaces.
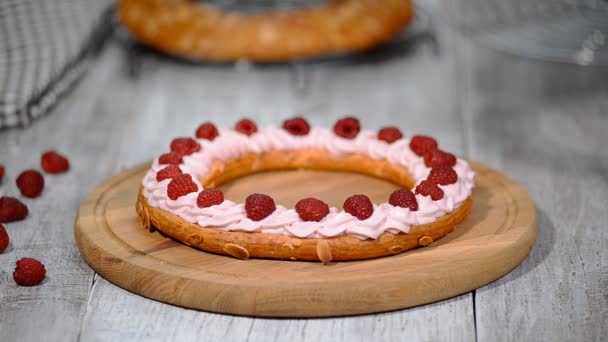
{"x":496,"y":236}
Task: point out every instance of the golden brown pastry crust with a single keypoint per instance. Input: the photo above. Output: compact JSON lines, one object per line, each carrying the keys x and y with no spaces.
{"x":243,"y":245}
{"x":184,"y":28}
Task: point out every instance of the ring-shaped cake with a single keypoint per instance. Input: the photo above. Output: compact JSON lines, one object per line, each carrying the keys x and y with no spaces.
{"x":201,"y":31}
{"x":179,"y":196}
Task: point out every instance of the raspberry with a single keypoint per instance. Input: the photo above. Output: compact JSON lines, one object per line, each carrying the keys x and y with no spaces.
{"x":53,"y":162}
{"x":1,"y":172}
{"x":390,"y":134}
{"x":443,"y":175}
{"x":297,"y":126}
{"x":403,"y":198}
{"x":347,"y":127}
{"x":11,"y":209}
{"x":246,"y":126}
{"x":30,"y":183}
{"x":312,"y":209}
{"x":428,"y":188}
{"x":185,"y":146}
{"x":259,"y":206}
{"x":4,"y":239}
{"x":359,"y":206}
{"x":181,"y":186}
{"x":209,"y":197}
{"x":169,"y":172}
{"x":172,"y":158}
{"x":439,"y":158}
{"x":29,"y":272}
{"x":421,"y":144}
{"x":207,"y":131}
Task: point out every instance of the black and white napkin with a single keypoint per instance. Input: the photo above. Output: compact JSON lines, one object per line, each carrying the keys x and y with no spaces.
{"x":45,"y":46}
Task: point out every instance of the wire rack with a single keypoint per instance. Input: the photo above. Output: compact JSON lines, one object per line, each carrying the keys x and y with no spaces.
{"x":253,"y":6}
{"x":554,"y":30}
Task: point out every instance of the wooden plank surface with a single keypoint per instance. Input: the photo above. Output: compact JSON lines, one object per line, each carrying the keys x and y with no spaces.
{"x":81,"y":130}
{"x":143,"y":320}
{"x":550,"y":133}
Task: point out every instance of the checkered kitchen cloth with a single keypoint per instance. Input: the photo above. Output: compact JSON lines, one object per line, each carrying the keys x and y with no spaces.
{"x":44,"y":48}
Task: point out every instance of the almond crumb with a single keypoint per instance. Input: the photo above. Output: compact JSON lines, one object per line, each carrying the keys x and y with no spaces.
{"x":236,"y":251}
{"x":323,"y":251}
{"x":425,"y":241}
{"x":194,"y":239}
{"x":396,"y":249}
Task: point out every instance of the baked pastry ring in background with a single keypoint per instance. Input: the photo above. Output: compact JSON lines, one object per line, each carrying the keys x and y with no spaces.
{"x":203,"y":32}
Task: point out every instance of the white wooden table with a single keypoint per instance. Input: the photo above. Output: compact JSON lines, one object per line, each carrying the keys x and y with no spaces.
{"x":544,"y":124}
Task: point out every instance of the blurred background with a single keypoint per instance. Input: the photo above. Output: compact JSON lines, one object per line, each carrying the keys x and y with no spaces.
{"x":521,"y":86}
{"x":48,"y":45}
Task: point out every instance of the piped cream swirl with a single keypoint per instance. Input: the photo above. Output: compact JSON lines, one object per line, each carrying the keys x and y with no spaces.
{"x":231,"y":216}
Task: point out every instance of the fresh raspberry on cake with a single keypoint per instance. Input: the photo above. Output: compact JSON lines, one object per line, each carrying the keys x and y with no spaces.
{"x":1,"y":172}
{"x":312,"y":209}
{"x":11,"y":209}
{"x":390,"y":134}
{"x":180,"y":186}
{"x":209,"y":197}
{"x":207,"y":131}
{"x":428,"y":188}
{"x":168,"y":172}
{"x":439,"y":158}
{"x":4,"y":239}
{"x":30,"y":183}
{"x":172,"y":158}
{"x":421,"y":144}
{"x":259,"y":206}
{"x":403,"y":198}
{"x":185,"y":146}
{"x":347,"y":127}
{"x":359,"y":206}
{"x":246,"y":126}
{"x":443,"y":175}
{"x":297,"y":126}
{"x":29,"y":272}
{"x":53,"y":162}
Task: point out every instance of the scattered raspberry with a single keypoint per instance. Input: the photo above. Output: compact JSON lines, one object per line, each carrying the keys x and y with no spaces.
{"x":209,"y":197}
{"x":1,"y":172}
{"x":207,"y":131}
{"x":390,"y":134}
{"x":181,"y":186}
{"x":30,"y":183}
{"x":347,"y":127}
{"x":185,"y":146}
{"x":11,"y":209}
{"x":246,"y":126}
{"x":172,"y":158}
{"x":259,"y":206}
{"x":169,"y":172}
{"x":443,"y":175}
{"x":359,"y":206}
{"x":53,"y":162}
{"x":428,"y":188}
{"x":421,"y":144}
{"x":439,"y":158}
{"x":403,"y":198}
{"x":4,"y":239}
{"x":297,"y":126}
{"x":29,"y":272}
{"x":312,"y":209}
